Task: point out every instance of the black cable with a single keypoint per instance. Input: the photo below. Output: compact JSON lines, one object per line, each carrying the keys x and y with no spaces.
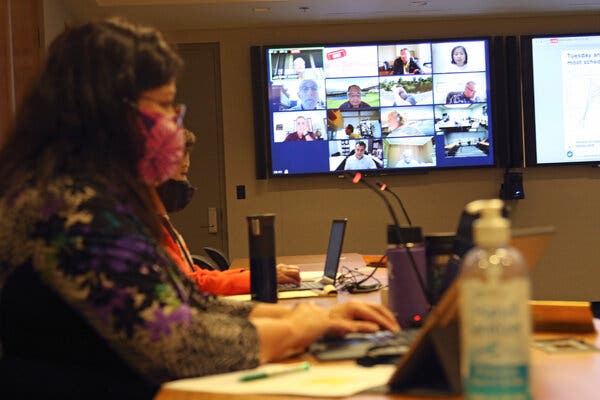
{"x":424,"y":290}
{"x":352,"y":284}
{"x":379,"y":263}
{"x":384,"y":187}
{"x":357,"y":177}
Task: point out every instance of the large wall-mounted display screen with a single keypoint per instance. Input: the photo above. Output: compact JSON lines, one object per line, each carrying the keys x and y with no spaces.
{"x":379,"y":107}
{"x":562,"y":117}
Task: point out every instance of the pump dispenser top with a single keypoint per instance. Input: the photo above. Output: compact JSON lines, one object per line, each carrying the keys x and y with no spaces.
{"x":491,"y":229}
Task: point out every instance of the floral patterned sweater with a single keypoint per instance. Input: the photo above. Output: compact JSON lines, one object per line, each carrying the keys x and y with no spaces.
{"x":85,"y":261}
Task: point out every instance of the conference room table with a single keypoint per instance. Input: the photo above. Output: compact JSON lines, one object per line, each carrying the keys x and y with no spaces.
{"x":561,"y":376}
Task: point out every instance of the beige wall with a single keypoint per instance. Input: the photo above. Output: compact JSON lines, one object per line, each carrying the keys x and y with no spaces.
{"x":565,"y":197}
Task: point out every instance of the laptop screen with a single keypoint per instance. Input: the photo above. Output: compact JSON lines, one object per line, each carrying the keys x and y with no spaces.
{"x":334,"y":250}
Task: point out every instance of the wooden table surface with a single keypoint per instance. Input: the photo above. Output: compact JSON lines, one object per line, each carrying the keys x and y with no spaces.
{"x":566,"y":376}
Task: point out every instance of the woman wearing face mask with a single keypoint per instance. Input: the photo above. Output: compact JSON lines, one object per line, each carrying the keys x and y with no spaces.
{"x":91,"y":304}
{"x":175,"y":194}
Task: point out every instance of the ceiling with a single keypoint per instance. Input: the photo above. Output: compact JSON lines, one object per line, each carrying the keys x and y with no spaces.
{"x":211,"y":14}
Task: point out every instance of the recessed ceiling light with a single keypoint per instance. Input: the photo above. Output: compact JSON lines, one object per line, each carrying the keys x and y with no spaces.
{"x":418,"y":3}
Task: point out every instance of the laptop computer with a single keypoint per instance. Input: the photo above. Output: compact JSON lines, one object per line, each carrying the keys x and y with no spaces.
{"x":332,"y":260}
{"x":438,"y":333}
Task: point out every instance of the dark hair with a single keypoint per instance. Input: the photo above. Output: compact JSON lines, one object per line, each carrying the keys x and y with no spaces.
{"x":77,"y":117}
{"x":464,"y":51}
{"x":351,"y":127}
{"x":354,"y":86}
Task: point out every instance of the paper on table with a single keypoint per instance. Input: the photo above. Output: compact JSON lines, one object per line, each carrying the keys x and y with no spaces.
{"x":308,"y":276}
{"x":319,"y":381}
{"x":291,"y":294}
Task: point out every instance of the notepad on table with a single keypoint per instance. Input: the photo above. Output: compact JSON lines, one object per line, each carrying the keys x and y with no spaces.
{"x":319,"y":381}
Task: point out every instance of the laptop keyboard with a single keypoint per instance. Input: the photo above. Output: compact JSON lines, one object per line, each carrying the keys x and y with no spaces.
{"x":367,"y":348}
{"x":284,"y":287}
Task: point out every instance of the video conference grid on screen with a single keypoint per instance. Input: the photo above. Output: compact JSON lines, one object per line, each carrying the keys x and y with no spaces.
{"x":566,"y":77}
{"x":379,"y":106}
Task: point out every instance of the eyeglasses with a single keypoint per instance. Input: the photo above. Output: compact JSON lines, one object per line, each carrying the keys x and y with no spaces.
{"x":354,"y":94}
{"x":179,"y":109}
{"x":307,"y":88}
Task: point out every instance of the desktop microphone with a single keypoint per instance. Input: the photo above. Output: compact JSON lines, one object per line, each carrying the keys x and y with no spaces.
{"x":359,"y":178}
{"x":396,"y":234}
{"x":409,"y":298}
{"x":384,"y":188}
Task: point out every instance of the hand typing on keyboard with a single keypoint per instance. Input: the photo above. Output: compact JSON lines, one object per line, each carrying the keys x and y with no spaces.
{"x":288,"y":274}
{"x":388,"y":347}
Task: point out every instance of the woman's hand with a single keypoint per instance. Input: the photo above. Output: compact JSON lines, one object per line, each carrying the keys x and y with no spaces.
{"x":290,"y":333}
{"x":288,"y":274}
{"x":284,"y":331}
{"x":358,"y":316}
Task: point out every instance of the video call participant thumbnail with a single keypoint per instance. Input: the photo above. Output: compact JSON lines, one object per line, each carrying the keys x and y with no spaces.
{"x":359,"y":160}
{"x":349,"y":130}
{"x":354,"y":99}
{"x":408,"y":160}
{"x":459,"y":57}
{"x":398,"y":126}
{"x":467,"y":96}
{"x":405,"y":64}
{"x":308,"y":96}
{"x":302,"y":134}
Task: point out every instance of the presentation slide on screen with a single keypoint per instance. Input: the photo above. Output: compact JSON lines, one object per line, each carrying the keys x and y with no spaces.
{"x":567,"y":98}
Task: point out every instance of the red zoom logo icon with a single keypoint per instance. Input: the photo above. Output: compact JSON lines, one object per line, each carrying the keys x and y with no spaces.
{"x":336,"y":54}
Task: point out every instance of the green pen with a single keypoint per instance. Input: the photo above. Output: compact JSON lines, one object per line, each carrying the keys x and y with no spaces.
{"x":303,"y":366}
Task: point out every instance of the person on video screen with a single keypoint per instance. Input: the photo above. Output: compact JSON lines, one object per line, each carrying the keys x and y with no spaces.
{"x":398,"y":126}
{"x":302,"y":134}
{"x":360,"y":160}
{"x":467,"y":96}
{"x":299,"y":66}
{"x":459,"y":58}
{"x":350,"y":132}
{"x":405,"y":64}
{"x":308,"y":95}
{"x":401,"y":96}
{"x":302,"y":72}
{"x":407,"y":160}
{"x":354,"y":99}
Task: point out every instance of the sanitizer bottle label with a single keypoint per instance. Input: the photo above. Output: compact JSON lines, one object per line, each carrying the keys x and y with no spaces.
{"x":496,"y":326}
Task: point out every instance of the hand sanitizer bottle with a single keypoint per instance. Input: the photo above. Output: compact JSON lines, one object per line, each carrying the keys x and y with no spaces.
{"x":495,"y":317}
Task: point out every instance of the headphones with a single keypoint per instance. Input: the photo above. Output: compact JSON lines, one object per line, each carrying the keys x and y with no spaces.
{"x":398,"y":117}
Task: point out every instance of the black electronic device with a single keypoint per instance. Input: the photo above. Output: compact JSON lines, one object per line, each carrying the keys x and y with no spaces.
{"x":261,"y":243}
{"x":560,"y":108}
{"x":320,"y":106}
{"x":512,"y":187}
{"x":332,"y":260}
